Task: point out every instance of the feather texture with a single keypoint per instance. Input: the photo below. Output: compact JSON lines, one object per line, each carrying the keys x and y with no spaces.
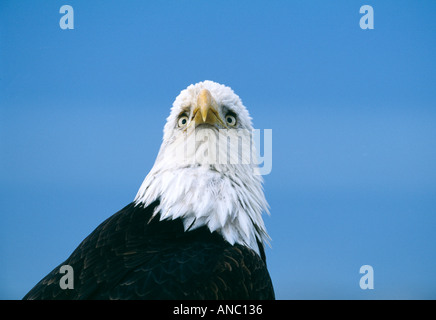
{"x":130,"y":256}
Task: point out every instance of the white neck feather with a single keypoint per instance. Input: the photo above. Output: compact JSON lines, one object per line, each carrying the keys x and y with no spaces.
{"x":227,"y":198}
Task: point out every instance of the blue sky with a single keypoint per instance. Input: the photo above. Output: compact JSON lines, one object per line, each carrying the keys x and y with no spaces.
{"x":353,"y":114}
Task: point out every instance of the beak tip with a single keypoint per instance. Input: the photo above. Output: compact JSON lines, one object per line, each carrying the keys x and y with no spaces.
{"x":206,"y":106}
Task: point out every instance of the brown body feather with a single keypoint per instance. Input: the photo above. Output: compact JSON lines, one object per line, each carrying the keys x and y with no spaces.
{"x":130,"y":256}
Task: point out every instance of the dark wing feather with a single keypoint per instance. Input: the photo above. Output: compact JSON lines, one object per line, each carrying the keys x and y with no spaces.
{"x":134,"y":256}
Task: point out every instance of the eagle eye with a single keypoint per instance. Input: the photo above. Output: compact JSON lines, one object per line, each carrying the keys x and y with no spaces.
{"x":230,"y":119}
{"x":183,"y":120}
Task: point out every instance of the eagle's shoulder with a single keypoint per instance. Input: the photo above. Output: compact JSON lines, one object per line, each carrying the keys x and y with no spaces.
{"x":98,"y":257}
{"x":134,"y":255}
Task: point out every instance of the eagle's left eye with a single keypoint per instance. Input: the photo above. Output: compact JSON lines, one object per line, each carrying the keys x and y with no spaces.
{"x":183,"y":120}
{"x":230,"y":120}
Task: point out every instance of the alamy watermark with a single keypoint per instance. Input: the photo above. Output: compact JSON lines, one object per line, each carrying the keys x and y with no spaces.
{"x":67,"y":20}
{"x":67,"y":281}
{"x":223,"y":147}
{"x":367,"y":280}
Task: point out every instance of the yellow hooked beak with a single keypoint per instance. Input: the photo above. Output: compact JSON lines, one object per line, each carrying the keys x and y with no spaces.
{"x":207,"y":110}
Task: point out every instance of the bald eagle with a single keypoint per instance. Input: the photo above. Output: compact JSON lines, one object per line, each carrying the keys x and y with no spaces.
{"x":195,"y":228}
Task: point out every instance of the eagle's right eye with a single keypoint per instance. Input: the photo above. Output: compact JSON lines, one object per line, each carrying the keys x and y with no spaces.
{"x":183,"y":120}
